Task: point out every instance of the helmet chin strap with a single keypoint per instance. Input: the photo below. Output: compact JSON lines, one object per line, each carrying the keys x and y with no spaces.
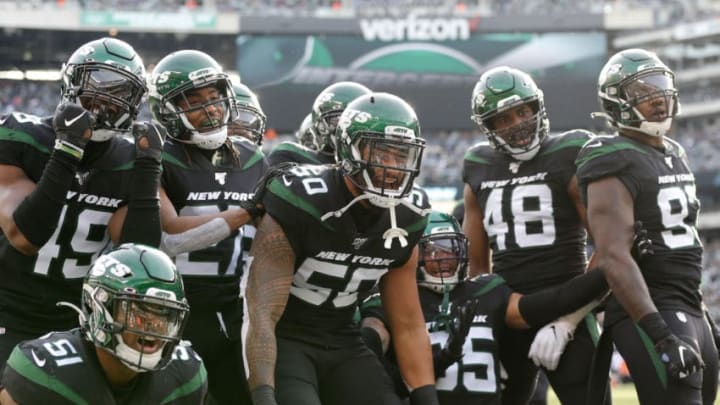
{"x":652,"y":128}
{"x":135,"y":360}
{"x":383,"y":202}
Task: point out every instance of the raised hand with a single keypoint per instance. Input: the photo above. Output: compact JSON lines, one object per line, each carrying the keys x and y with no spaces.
{"x":73,"y":128}
{"x":149,"y":140}
{"x":461,"y":319}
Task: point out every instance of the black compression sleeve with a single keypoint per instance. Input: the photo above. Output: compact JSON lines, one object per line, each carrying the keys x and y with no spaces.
{"x":142,"y":223}
{"x":545,"y":306}
{"x":37,"y":216}
{"x":372,"y":341}
{"x":425,"y":395}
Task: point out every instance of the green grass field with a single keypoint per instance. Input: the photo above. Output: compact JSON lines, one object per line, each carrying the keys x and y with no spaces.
{"x":622,"y":394}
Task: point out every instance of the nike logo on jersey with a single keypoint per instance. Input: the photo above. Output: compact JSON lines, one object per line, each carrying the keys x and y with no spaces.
{"x":72,"y":121}
{"x":38,"y":361}
{"x":681,"y":351}
{"x":286,"y":182}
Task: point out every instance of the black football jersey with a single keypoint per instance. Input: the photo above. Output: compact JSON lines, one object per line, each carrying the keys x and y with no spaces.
{"x":202,"y":182}
{"x":533,"y":228}
{"x":294,"y":152}
{"x":475,"y":379}
{"x":62,"y":368}
{"x":31,"y":285}
{"x":337,"y":258}
{"x":663,"y":191}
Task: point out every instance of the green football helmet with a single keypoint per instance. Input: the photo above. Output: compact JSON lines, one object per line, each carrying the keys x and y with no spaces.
{"x":174,"y":80}
{"x":251,"y":120}
{"x":107,"y":77}
{"x":632,"y":77}
{"x":379,"y":145}
{"x":328,"y":106}
{"x":306,"y":134}
{"x":443,"y":253}
{"x":499,"y":90}
{"x":135,"y":289}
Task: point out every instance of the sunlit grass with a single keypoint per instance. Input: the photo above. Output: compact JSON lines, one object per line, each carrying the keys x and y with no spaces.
{"x":622,"y":394}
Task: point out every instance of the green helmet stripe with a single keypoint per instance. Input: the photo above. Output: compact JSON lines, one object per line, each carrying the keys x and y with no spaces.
{"x":276,"y":187}
{"x":605,"y":150}
{"x":498,"y":281}
{"x":189,"y":387}
{"x":256,"y":157}
{"x":14,"y":135}
{"x":26,"y":368}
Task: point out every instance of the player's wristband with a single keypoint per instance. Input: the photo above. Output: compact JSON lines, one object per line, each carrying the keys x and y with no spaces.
{"x":67,"y":147}
{"x":654,"y":326}
{"x":425,"y":395}
{"x":263,"y":395}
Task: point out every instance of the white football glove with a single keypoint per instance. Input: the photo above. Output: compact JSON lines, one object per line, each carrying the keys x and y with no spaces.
{"x":549,"y":343}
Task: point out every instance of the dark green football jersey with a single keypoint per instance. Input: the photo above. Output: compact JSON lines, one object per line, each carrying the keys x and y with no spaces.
{"x":475,"y":379}
{"x":337,"y":258}
{"x":200,"y":182}
{"x":663,"y":191}
{"x":294,"y":152}
{"x":62,"y":368}
{"x":31,"y":285}
{"x":533,"y":227}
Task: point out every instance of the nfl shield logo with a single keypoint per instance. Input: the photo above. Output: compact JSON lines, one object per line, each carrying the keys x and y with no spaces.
{"x":220,"y":178}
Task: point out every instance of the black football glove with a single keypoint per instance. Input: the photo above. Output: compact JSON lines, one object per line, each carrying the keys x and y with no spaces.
{"x":73,"y":127}
{"x":461,"y":318}
{"x":254,"y":205}
{"x":642,"y":245}
{"x":680,"y":359}
{"x":149,"y":140}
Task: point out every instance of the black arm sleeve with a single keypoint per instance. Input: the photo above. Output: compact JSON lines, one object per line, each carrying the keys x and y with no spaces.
{"x":142,"y":223}
{"x":37,"y":216}
{"x":545,"y":306}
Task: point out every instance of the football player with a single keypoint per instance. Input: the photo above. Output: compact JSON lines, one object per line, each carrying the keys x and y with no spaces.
{"x":326,"y":110}
{"x":655,"y":315}
{"x":127,"y":348}
{"x":466,"y":318}
{"x":207,"y":178}
{"x":330,"y":233}
{"x":305,"y":135}
{"x":523,"y":210}
{"x":250,"y":121}
{"x":72,"y":184}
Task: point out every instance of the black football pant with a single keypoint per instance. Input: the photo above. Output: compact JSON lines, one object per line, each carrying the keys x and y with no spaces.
{"x":310,"y":375}
{"x":569,"y":381}
{"x":215,"y":336}
{"x":652,"y":383}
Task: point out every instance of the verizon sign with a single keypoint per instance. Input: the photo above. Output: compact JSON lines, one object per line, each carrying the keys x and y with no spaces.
{"x":415,"y":29}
